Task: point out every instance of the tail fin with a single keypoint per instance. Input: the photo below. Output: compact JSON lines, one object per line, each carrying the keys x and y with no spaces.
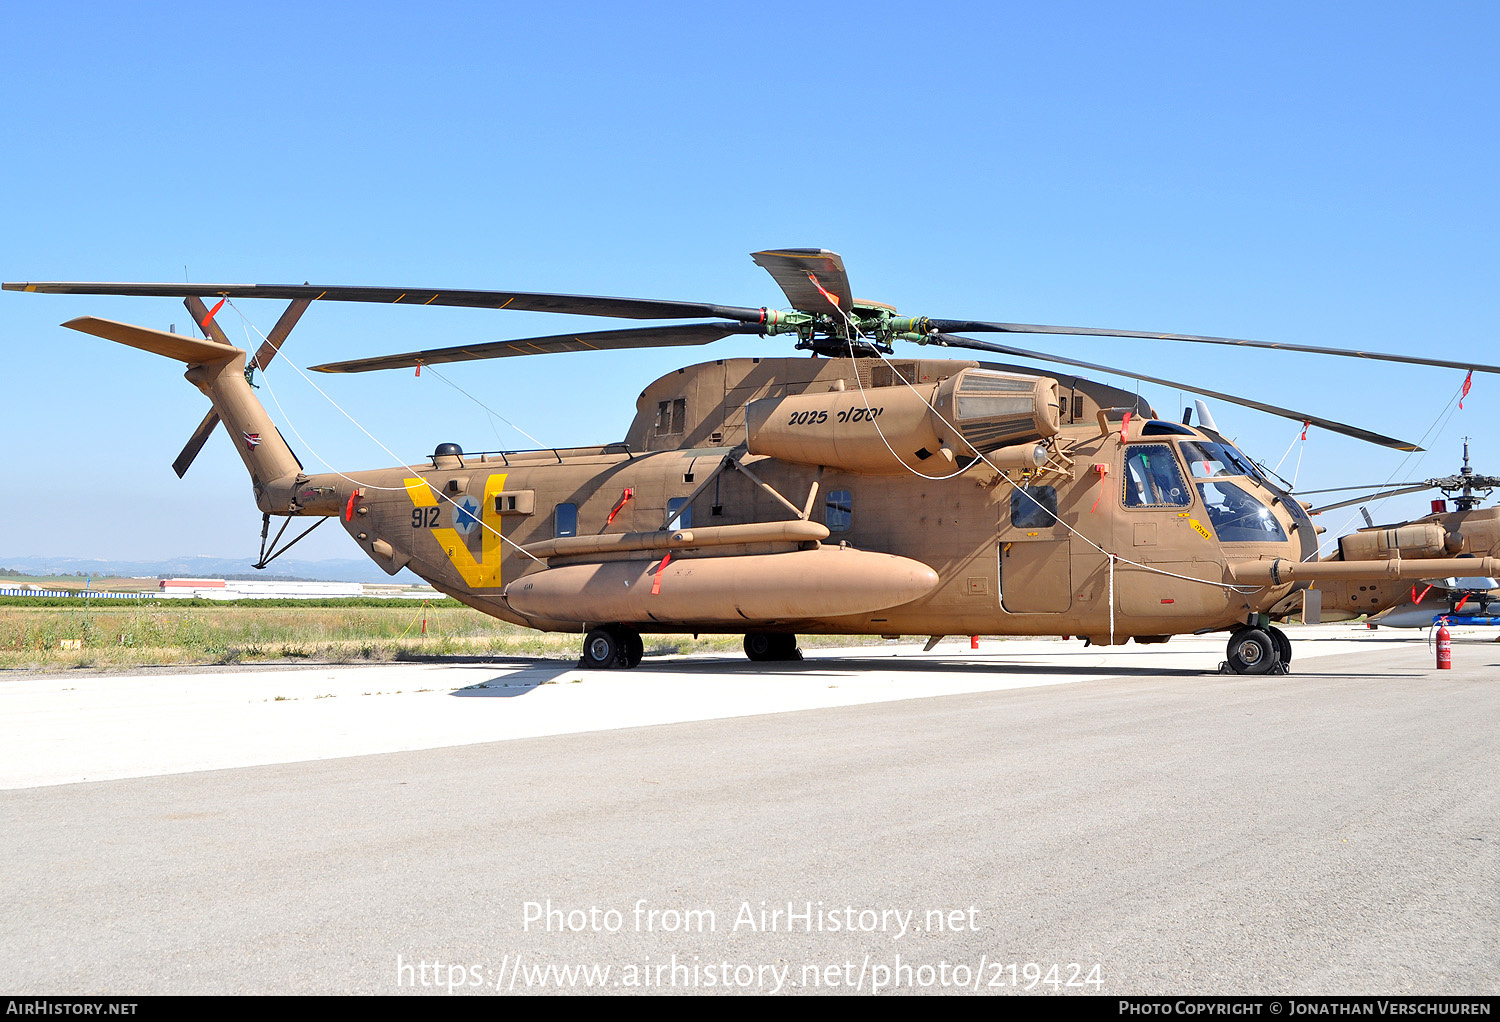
{"x":219,"y":371}
{"x":263,"y":357}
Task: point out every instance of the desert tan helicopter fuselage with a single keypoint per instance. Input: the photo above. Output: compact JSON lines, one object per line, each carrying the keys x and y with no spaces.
{"x":1466,"y":532}
{"x":1440,"y":538}
{"x":843,"y":494}
{"x":831,"y":496}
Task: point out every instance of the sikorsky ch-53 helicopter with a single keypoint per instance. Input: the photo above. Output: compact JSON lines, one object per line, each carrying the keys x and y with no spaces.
{"x":849,"y":493}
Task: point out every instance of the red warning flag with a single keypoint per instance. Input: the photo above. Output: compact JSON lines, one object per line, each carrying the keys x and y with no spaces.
{"x":1103,"y":471}
{"x":623,"y":498}
{"x":1305,"y":424}
{"x":1124,"y":427}
{"x":349,"y":508}
{"x":214,"y":312}
{"x":656,"y":582}
{"x":833,"y":298}
{"x":1468,"y":382}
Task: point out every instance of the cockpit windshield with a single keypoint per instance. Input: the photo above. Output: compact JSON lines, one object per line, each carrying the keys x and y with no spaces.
{"x":1206,"y":459}
{"x":1238,"y":517}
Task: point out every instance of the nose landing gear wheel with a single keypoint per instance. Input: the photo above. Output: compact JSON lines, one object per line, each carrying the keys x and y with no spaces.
{"x":1252,"y":651}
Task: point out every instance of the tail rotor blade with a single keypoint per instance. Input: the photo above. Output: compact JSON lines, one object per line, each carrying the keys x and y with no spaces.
{"x":199,"y":312}
{"x":195,"y":443}
{"x":278,"y":334}
{"x":267,"y":351}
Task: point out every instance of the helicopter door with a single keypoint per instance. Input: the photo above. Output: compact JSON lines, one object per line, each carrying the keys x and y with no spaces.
{"x":1035,"y":563}
{"x":1158,"y":529}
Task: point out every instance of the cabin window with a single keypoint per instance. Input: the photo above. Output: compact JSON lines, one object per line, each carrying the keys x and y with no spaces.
{"x":1152,"y":478}
{"x":1033,"y":507}
{"x":1238,"y":517}
{"x":671,"y":417}
{"x":679,"y":515}
{"x":839,"y":511}
{"x":565,"y":520}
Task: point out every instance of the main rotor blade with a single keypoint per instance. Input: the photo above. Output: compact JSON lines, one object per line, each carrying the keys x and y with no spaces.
{"x":522,"y":301}
{"x":1369,"y":496}
{"x":1366,"y":486}
{"x":809,"y":276}
{"x":599,"y":340}
{"x":950,"y":340}
{"x":965,"y":326}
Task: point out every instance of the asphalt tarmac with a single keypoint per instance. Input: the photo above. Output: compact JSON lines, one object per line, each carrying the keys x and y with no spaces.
{"x":1033,"y":816}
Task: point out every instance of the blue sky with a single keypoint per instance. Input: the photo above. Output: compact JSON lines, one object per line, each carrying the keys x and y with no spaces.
{"x":1308,"y":173}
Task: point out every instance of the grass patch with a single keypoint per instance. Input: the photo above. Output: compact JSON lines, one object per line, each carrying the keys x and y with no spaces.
{"x":111,"y":634}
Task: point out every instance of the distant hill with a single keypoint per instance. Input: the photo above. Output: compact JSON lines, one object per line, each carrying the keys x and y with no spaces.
{"x":340,"y":570}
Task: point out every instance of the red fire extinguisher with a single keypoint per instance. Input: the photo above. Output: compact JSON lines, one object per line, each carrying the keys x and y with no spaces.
{"x":1444,"y":646}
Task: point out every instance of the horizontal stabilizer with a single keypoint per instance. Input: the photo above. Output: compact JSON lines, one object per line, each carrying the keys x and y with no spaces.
{"x":186,"y":349}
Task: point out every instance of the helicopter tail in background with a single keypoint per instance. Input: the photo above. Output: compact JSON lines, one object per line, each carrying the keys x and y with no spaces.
{"x":218,"y":370}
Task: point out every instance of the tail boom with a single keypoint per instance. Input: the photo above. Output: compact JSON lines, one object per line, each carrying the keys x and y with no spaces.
{"x":218,"y":370}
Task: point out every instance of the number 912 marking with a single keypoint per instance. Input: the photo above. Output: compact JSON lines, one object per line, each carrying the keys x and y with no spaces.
{"x":425,"y":517}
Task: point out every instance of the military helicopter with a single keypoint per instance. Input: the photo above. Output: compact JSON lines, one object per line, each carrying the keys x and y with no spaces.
{"x":1467,"y":532}
{"x":849,"y":493}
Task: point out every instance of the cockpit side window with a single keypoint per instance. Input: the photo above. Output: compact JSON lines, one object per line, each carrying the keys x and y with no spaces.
{"x":1152,"y":478}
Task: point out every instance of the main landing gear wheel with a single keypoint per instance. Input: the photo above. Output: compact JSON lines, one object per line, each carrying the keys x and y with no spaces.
{"x":1252,"y":651}
{"x":763,"y":646}
{"x":611,"y":647}
{"x":1283,"y":645}
{"x":634,"y":647}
